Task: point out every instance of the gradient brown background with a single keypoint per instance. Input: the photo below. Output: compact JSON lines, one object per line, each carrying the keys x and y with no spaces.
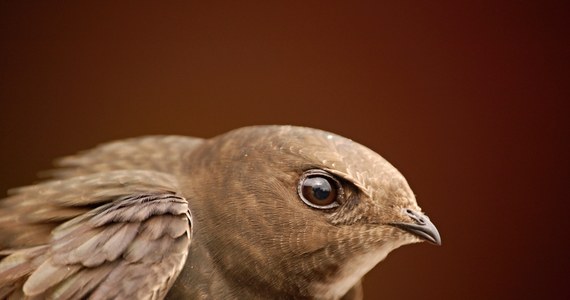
{"x":466,"y":99}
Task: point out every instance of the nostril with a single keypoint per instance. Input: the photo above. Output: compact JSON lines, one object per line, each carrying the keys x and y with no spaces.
{"x":418,"y":217}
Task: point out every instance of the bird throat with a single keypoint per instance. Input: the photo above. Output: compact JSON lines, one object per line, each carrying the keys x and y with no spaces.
{"x":352,"y":271}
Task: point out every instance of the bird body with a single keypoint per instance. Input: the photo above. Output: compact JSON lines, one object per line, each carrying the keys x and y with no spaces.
{"x":275,"y":212}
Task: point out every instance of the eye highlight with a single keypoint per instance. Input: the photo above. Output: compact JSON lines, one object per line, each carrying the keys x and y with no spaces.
{"x":319,"y":189}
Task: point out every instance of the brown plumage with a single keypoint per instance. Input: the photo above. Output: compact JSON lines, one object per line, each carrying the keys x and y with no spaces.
{"x":259,"y":212}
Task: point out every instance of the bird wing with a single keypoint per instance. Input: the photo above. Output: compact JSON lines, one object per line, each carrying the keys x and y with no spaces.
{"x":162,"y":153}
{"x":110,"y":235}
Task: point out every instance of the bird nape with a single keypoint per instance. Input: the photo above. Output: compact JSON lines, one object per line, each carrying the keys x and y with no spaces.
{"x":259,"y":212}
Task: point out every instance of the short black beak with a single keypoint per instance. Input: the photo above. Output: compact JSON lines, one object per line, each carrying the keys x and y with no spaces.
{"x":421,"y":227}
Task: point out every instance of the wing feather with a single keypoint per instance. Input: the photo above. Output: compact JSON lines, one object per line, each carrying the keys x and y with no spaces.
{"x":129,"y":240}
{"x":159,"y":153}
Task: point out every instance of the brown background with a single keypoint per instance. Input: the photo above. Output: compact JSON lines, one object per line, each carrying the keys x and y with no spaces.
{"x":466,"y":99}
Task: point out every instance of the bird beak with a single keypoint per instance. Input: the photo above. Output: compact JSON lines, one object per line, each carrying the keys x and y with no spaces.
{"x":421,"y":226}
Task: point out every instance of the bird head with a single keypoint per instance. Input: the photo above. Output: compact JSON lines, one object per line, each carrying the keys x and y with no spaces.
{"x":302,"y":210}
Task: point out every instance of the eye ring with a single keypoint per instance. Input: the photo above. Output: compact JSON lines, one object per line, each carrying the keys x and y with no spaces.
{"x":319,"y":189}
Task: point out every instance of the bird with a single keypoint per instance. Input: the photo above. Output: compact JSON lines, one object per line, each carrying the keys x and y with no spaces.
{"x":259,"y":212}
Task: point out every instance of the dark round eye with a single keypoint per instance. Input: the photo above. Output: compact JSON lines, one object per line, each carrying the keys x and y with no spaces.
{"x":320,"y":190}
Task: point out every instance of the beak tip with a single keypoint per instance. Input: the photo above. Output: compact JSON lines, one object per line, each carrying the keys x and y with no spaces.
{"x":422,"y":227}
{"x":437,"y":240}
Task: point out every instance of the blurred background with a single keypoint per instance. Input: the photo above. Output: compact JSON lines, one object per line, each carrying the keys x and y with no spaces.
{"x":467,"y":99}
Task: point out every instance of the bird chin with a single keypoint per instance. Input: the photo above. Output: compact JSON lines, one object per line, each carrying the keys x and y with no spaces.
{"x":353,"y":270}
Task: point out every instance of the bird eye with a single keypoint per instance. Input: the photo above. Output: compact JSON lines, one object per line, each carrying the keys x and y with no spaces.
{"x":318,"y":189}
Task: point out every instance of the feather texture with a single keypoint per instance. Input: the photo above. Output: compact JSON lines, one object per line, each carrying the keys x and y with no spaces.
{"x":130,"y":237}
{"x":114,"y":222}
